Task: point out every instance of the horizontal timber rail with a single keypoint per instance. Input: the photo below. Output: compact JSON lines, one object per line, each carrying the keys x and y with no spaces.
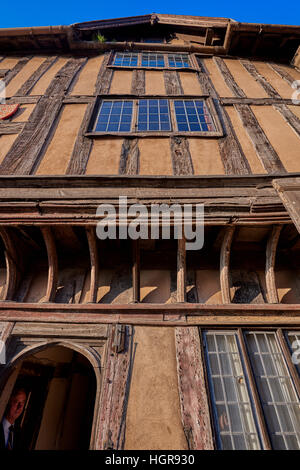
{"x":154,"y":314}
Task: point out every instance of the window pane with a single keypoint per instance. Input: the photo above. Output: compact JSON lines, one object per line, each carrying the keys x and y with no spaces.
{"x":152,"y":60}
{"x":294,"y":345}
{"x":178,"y":60}
{"x":114,"y":116}
{"x":196,"y":116}
{"x":126,"y":59}
{"x":230,"y":398}
{"x":278,"y":396}
{"x":153,"y":115}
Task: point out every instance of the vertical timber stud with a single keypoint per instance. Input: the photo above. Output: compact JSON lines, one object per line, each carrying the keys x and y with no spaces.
{"x":11,"y":265}
{"x":195,"y":414}
{"x":136,"y":270}
{"x":224,"y":264}
{"x":93,"y":249}
{"x":83,"y":145}
{"x":181,"y":271}
{"x":115,"y":391}
{"x":232,"y":155}
{"x":272,"y":243}
{"x":52,"y":264}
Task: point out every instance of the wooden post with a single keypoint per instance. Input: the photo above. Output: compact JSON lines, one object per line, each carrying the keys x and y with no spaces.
{"x":52,"y":264}
{"x":272,"y":295}
{"x":11,"y":267}
{"x":92,"y":241}
{"x":224,"y":264}
{"x":136,"y":270}
{"x":181,"y":271}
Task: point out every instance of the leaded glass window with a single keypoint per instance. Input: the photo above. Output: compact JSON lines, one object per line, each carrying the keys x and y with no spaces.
{"x":152,"y":60}
{"x":193,"y":116}
{"x":278,"y":395}
{"x":178,"y":60}
{"x":114,"y":116}
{"x":232,"y":407}
{"x":126,"y":59}
{"x":153,"y":115}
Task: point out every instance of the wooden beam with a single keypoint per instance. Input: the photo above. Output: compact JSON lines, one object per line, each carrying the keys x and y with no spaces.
{"x":117,"y":371}
{"x":11,"y":265}
{"x":11,"y":127}
{"x":181,"y":270}
{"x":255,"y":101}
{"x":272,"y":243}
{"x":130,"y":157}
{"x":172,"y":83}
{"x":282,"y":73}
{"x":228,"y":78}
{"x":192,"y":391}
{"x":250,"y":67}
{"x":23,"y":156}
{"x":232,"y":155}
{"x":136,"y":270}
{"x":83,"y":145}
{"x":261,"y":143}
{"x":181,"y":158}
{"x":289,"y":192}
{"x":138,"y":82}
{"x":37,"y":74}
{"x":93,"y":249}
{"x":224,"y":264}
{"x":289,"y":117}
{"x":52,"y":264}
{"x":15,"y":70}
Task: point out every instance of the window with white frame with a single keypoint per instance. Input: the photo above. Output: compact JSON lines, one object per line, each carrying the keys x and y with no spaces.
{"x":151,"y":60}
{"x":242,"y":365}
{"x":161,"y":115}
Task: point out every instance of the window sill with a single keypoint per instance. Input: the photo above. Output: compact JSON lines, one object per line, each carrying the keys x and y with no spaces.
{"x":154,"y":134}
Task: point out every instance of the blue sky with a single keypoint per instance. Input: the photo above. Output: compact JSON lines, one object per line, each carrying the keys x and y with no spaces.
{"x":19,"y":13}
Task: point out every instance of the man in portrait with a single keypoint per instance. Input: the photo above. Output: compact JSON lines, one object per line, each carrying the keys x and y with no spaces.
{"x":9,"y":432}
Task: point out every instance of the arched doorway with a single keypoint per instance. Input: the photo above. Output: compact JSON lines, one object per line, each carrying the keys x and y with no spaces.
{"x":60,"y":385}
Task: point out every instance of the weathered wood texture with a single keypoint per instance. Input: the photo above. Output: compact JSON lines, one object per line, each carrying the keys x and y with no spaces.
{"x":130,"y":157}
{"x":261,"y":143}
{"x":282,"y":73}
{"x":114,"y":392}
{"x":138,"y":82}
{"x":93,"y":249}
{"x":11,"y":127}
{"x":289,"y":117}
{"x":24,"y":155}
{"x":289,"y":192}
{"x":181,"y":270}
{"x":181,"y":157}
{"x":32,"y":80}
{"x":15,"y":70}
{"x":11,"y":261}
{"x":172,"y":83}
{"x":136,"y":275}
{"x":228,"y":78}
{"x":65,"y":330}
{"x":83,"y":145}
{"x":192,"y":390}
{"x":224,"y":264}
{"x":52,"y":264}
{"x":233,"y":157}
{"x":250,"y":67}
{"x":271,"y":248}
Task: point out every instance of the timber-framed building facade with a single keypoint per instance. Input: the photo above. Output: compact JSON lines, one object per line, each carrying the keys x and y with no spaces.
{"x":142,"y":344}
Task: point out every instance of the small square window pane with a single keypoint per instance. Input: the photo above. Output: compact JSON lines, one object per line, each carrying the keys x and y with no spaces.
{"x":153,"y":126}
{"x":183,"y":127}
{"x":124,"y":127}
{"x":165,"y":126}
{"x":100,"y":127}
{"x":114,"y":118}
{"x":142,"y":126}
{"x":112,"y":127}
{"x":226,"y":442}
